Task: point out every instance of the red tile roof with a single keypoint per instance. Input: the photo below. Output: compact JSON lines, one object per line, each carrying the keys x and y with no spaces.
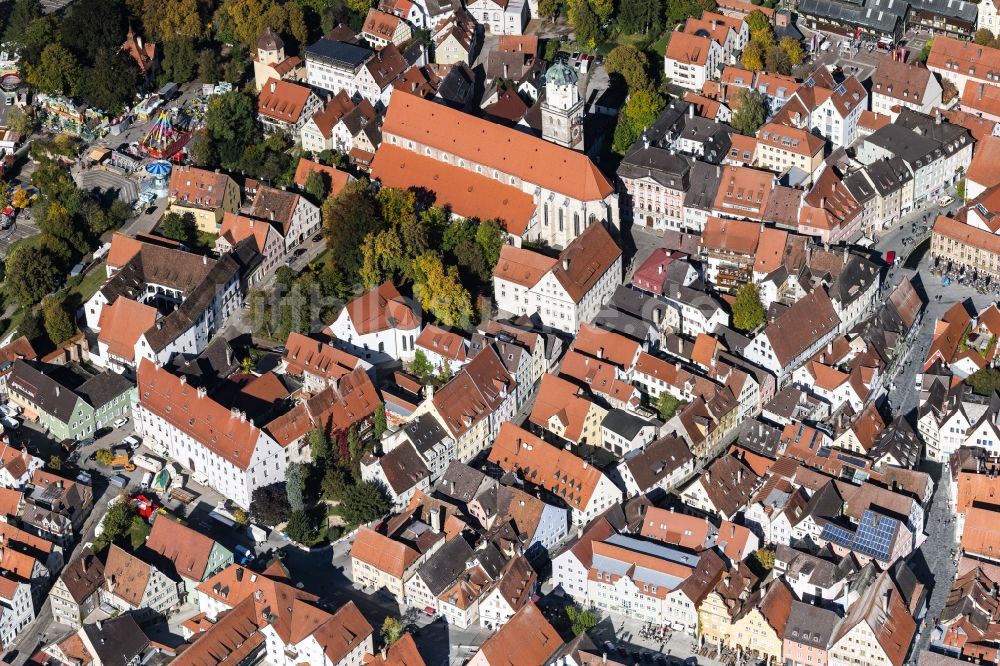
{"x":335,"y":178}
{"x":510,"y":151}
{"x":381,"y":309}
{"x":464,"y":192}
{"x":282,"y":101}
{"x":225,"y":433}
{"x":122,"y":323}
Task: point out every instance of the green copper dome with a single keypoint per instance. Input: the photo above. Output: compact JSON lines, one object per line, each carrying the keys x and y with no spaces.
{"x":561,"y":74}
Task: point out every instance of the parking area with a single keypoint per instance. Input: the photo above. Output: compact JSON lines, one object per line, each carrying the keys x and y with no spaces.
{"x":24,"y":227}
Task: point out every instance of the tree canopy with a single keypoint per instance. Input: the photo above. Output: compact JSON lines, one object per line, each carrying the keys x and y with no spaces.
{"x":631,"y":64}
{"x":750,"y":113}
{"x":748,"y":312}
{"x":363,"y":503}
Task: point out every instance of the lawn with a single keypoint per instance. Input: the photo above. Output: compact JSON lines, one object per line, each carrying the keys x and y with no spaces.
{"x":90,"y":283}
{"x":659,"y":47}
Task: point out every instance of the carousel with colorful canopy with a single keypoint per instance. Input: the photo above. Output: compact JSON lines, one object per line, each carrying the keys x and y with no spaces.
{"x":159,"y":172}
{"x":163,"y":140}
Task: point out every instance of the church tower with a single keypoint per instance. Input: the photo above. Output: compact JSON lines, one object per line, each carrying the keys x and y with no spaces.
{"x":562,"y":108}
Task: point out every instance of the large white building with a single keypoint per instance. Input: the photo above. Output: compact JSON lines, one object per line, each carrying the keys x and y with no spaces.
{"x":537,"y":189}
{"x":197,"y":292}
{"x":378,"y":326}
{"x":221,"y":447}
{"x":564,"y":292}
{"x":500,"y":17}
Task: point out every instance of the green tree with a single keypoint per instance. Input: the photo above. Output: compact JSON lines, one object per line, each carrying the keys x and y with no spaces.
{"x":363,"y":503}
{"x":111,"y":84}
{"x":58,"y":222}
{"x":391,"y":630}
{"x":380,"y":425}
{"x":983,"y":37}
{"x":680,"y":10}
{"x":57,"y":71}
{"x":354,"y":446}
{"x":31,"y":274}
{"x":181,"y":228}
{"x":640,"y":111}
{"x":793,"y":49}
{"x":180,"y":60}
{"x":639,"y":16}
{"x":240,"y":516}
{"x":748,"y":312}
{"x":245,"y":20}
{"x":440,"y":291}
{"x":336,"y":481}
{"x":776,"y":60}
{"x":421,"y":367}
{"x":55,"y":463}
{"x":316,"y":186}
{"x":757,"y":22}
{"x":208,"y":66}
{"x":347,"y":218}
{"x":300,"y":528}
{"x":985,"y":381}
{"x":960,"y":190}
{"x":631,"y":63}
{"x":230,"y":122}
{"x":581,"y":621}
{"x":21,"y":119}
{"x":58,"y":324}
{"x":358,"y":6}
{"x":753,"y":56}
{"x":295,"y":486}
{"x":750,"y":111}
{"x":90,"y":27}
{"x":104,"y":456}
{"x":25,"y":12}
{"x":115,"y":524}
{"x":319,"y":445}
{"x":585,"y":22}
{"x":603,"y":9}
{"x":926,"y":51}
{"x":552,"y":46}
{"x":667,"y":406}
{"x":550,"y":9}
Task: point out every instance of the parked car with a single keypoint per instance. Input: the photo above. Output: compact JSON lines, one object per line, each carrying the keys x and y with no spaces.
{"x":147,"y":479}
{"x":11,"y":424}
{"x":120,"y":423}
{"x":102,"y":432}
{"x":119,"y":480}
{"x":945,"y":201}
{"x":132,"y":442}
{"x":7,"y":410}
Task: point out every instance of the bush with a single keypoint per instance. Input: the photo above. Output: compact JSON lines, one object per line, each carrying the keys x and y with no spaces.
{"x":269,"y":505}
{"x":104,"y":456}
{"x":300,"y":528}
{"x":363,"y":503}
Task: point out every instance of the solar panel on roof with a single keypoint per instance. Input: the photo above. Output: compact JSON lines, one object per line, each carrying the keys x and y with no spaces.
{"x":810,"y":82}
{"x":841,"y":89}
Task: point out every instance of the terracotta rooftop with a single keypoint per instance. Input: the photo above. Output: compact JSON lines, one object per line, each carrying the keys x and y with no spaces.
{"x":335,"y":178}
{"x":282,"y":101}
{"x":187,"y":548}
{"x":385,"y":554}
{"x":307,"y":355}
{"x":527,"y":639}
{"x":478,"y":141}
{"x":381,"y":309}
{"x":188,"y":185}
{"x":522,"y":266}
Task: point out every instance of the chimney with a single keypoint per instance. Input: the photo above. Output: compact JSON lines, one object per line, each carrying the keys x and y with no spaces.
{"x":822,"y":202}
{"x":204,"y":260}
{"x":273,"y":86}
{"x":600,"y":352}
{"x":57,"y":391}
{"x":565,"y":263}
{"x":690,"y":110}
{"x":239,"y":574}
{"x":435,"y":515}
{"x":506,"y":76}
{"x":659,"y":269}
{"x":83,"y":563}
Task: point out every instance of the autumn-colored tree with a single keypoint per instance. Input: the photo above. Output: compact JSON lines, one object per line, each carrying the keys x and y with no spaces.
{"x":640,"y":111}
{"x":757,"y":22}
{"x":440,"y":290}
{"x":753,"y":56}
{"x":585,"y":22}
{"x":58,"y":324}
{"x":603,"y":9}
{"x":168,"y":20}
{"x":631,"y":63}
{"x":551,"y":8}
{"x":983,"y":37}
{"x":382,"y":257}
{"x":793,"y":49}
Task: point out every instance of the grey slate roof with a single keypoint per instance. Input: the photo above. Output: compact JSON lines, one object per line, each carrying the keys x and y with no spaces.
{"x":118,"y":641}
{"x":874,"y":15}
{"x":342,"y":54}
{"x":445,"y":566}
{"x":811,"y":625}
{"x":623,"y":423}
{"x":48,"y":394}
{"x":101,"y":389}
{"x":425,"y":432}
{"x":658,"y":460}
{"x":704,"y":179}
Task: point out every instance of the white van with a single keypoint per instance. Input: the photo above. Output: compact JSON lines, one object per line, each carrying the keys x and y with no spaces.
{"x":147,"y":478}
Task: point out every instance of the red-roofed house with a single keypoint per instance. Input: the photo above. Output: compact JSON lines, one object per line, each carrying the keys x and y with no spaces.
{"x":285,"y":107}
{"x":203,"y":193}
{"x":333,"y":178}
{"x":122,"y":324}
{"x":692,"y":59}
{"x":268,"y":240}
{"x":378,"y":326}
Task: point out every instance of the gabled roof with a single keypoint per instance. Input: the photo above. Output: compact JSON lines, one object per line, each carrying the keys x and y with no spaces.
{"x":188,"y":185}
{"x":126,"y":576}
{"x":235,"y":228}
{"x":527,"y":639}
{"x":478,"y":141}
{"x":335,"y":178}
{"x":557,"y":470}
{"x":230,"y":435}
{"x":308,"y":355}
{"x":475,"y":392}
{"x":381,"y":309}
{"x":522,"y":266}
{"x":464,"y":192}
{"x":282,"y":101}
{"x":797,"y":328}
{"x":586,"y":260}
{"x":187,"y":548}
{"x":122,"y":324}
{"x":688,"y":49}
{"x":385,"y":554}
